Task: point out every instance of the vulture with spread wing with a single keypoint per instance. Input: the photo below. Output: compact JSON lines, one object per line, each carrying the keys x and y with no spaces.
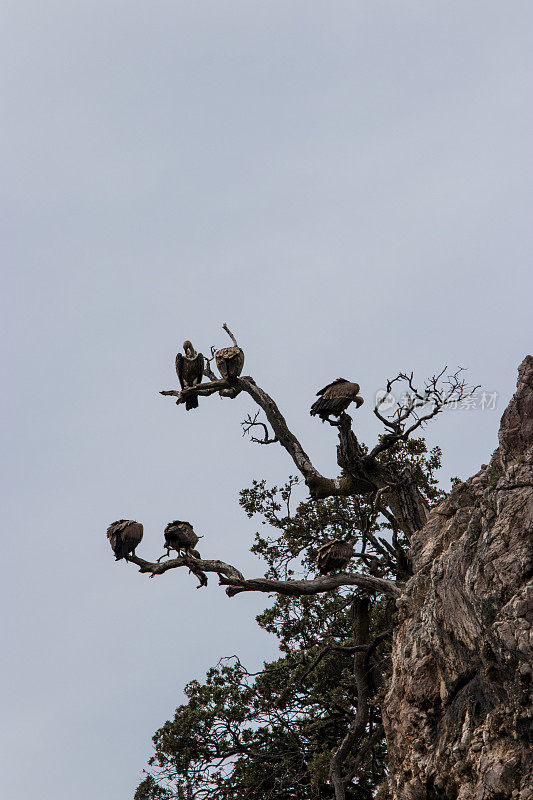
{"x":229,"y":361}
{"x":190,"y":370}
{"x":335,"y":398}
{"x":334,"y":556}
{"x":124,"y":535}
{"x":180,"y":536}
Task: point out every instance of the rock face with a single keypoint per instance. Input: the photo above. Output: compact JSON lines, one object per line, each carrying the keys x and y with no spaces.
{"x":458,"y":708}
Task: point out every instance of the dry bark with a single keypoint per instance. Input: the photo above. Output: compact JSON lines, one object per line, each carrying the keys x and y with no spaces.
{"x":230,"y":576}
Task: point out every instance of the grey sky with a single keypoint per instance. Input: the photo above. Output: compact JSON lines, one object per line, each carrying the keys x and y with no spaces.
{"x":348,"y":185}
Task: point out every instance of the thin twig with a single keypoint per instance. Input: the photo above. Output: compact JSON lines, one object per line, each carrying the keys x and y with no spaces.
{"x":250,"y":423}
{"x":231,"y":336}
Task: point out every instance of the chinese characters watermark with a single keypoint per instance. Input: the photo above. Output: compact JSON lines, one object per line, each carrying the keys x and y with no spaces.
{"x":478,"y":400}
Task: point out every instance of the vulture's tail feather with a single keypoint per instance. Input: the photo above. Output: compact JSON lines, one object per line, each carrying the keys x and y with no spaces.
{"x":191,"y":402}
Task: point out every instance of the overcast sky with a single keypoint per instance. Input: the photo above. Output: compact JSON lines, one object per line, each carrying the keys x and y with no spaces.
{"x":347,"y":185}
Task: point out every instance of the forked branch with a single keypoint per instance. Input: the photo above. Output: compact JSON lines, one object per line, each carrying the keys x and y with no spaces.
{"x":407,"y":416}
{"x":252,"y":422}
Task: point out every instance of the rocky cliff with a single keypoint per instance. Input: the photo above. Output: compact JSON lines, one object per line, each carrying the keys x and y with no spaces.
{"x":458,"y":708}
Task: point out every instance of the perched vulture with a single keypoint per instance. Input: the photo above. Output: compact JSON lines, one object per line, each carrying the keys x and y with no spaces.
{"x":230,"y":361}
{"x":124,"y":536}
{"x":190,"y":370}
{"x":335,"y":398}
{"x":334,"y":555}
{"x":179,"y":535}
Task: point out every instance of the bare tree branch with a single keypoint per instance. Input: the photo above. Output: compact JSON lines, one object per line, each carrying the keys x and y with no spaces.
{"x":278,"y":424}
{"x":231,"y":577}
{"x":231,"y":336}
{"x":208,"y":372}
{"x":202,"y":389}
{"x":439,"y":397}
{"x":323,"y":583}
{"x":362,"y":473}
{"x":319,"y":486}
{"x":200,"y":564}
{"x":252,"y":422}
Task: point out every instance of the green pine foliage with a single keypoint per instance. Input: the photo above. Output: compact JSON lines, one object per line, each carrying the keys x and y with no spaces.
{"x":271,"y":735}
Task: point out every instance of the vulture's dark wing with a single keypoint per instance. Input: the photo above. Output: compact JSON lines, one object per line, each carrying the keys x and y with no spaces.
{"x":330,"y":405}
{"x":220,"y":361}
{"x":333,"y":555}
{"x":117,"y":526}
{"x":342,"y":389}
{"x":338,"y":380}
{"x":175,"y":523}
{"x":179,"y":368}
{"x":116,"y":530}
{"x":324,"y":558}
{"x":323,"y":550}
{"x":238,"y":362}
{"x":230,"y":361}
{"x":200,"y":365}
{"x":132,"y":535}
{"x":336,"y":397}
{"x":188,"y":534}
{"x":320,"y":405}
{"x":124,"y":535}
{"x":173,"y":537}
{"x":180,"y":534}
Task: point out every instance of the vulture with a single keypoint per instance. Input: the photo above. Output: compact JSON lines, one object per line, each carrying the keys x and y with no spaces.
{"x":179,"y":535}
{"x":334,"y":556}
{"x":124,"y":535}
{"x":335,"y":398}
{"x":230,"y":361}
{"x":190,"y":370}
